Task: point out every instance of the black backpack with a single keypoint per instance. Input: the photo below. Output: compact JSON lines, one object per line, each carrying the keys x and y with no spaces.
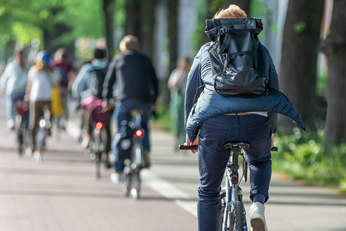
{"x":236,"y":57}
{"x":96,"y":87}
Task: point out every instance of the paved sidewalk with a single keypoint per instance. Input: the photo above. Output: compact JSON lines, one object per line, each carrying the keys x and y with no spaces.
{"x":291,"y":206}
{"x":63,"y":194}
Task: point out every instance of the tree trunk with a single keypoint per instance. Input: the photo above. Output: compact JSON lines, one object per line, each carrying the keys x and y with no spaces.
{"x":334,"y":46}
{"x":8,"y":50}
{"x":132,"y":24}
{"x":148,"y":10}
{"x":243,"y":4}
{"x":172,"y":27}
{"x":298,"y":67}
{"x":108,"y":15}
{"x":173,"y":33}
{"x":211,"y":9}
{"x":49,"y":37}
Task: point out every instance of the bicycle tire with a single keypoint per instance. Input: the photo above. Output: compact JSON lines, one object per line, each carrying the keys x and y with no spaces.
{"x":126,"y":184}
{"x":237,"y":217}
{"x":222,"y":206}
{"x":20,"y":141}
{"x":135,"y":185}
{"x":98,"y":164}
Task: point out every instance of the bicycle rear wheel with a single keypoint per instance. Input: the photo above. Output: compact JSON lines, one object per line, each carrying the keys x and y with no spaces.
{"x":126,"y":183}
{"x":237,"y":221}
{"x":135,"y":185}
{"x":98,"y":164}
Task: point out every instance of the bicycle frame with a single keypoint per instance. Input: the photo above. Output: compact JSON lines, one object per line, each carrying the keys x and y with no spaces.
{"x":233,"y":192}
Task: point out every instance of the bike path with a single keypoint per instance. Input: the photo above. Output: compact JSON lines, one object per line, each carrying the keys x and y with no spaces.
{"x":62,"y":193}
{"x":291,"y":206}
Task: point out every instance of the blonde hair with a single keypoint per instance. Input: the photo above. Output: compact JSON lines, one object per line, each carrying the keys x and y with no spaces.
{"x":40,"y":65}
{"x":129,"y":43}
{"x":233,"y":11}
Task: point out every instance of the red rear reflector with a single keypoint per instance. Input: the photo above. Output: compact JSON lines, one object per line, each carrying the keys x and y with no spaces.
{"x":99,"y":125}
{"x":139,"y":133}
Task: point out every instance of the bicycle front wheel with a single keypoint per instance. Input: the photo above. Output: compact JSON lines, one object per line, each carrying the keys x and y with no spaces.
{"x":237,"y":217}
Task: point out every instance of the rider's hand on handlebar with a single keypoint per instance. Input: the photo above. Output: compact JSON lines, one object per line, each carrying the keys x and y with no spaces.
{"x":188,"y":143}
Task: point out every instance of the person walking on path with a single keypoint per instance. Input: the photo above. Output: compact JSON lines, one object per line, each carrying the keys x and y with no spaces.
{"x":222,"y":118}
{"x":177,"y":85}
{"x":134,"y":77}
{"x":14,"y":80}
{"x":41,"y":79}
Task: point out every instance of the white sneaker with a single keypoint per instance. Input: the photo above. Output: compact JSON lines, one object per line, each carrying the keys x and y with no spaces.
{"x":257,"y":220}
{"x":85,"y":142}
{"x":116,"y":177}
{"x":10,"y":124}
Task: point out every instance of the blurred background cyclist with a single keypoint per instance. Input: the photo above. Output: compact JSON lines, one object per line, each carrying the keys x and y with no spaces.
{"x":41,"y":79}
{"x":134,"y":77}
{"x":14,"y":80}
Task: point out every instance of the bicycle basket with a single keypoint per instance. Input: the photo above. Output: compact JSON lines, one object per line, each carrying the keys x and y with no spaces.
{"x":21,"y":108}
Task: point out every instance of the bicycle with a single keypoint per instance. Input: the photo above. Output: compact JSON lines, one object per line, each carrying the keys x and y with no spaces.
{"x":21,"y":108}
{"x":98,"y":137}
{"x":131,"y":182}
{"x":231,"y":207}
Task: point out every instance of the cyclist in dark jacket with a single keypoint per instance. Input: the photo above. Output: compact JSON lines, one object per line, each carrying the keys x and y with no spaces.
{"x":222,"y":119}
{"x":136,"y":84}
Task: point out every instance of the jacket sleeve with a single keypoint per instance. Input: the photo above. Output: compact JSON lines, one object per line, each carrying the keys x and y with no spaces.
{"x":273,"y":83}
{"x":80,"y":84}
{"x":194,"y":81}
{"x":108,"y":84}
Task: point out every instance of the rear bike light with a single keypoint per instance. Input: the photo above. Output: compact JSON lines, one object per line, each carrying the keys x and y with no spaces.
{"x":139,"y":133}
{"x":99,"y":125}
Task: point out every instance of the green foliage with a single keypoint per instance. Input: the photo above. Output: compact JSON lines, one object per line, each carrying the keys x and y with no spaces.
{"x":299,"y":27}
{"x":322,"y":81}
{"x":259,"y":9}
{"x":23,"y":20}
{"x":304,"y":157}
{"x":163,"y":119}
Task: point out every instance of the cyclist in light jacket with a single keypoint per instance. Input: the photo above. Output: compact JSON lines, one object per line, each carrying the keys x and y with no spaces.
{"x":14,"y":80}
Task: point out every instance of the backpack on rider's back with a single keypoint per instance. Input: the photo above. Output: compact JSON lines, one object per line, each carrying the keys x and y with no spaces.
{"x":236,"y":57}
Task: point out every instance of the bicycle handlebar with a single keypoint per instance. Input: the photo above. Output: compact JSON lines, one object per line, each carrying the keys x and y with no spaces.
{"x":195,"y":147}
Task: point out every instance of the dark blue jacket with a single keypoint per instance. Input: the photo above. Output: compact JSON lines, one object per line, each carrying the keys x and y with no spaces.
{"x":202,"y":103}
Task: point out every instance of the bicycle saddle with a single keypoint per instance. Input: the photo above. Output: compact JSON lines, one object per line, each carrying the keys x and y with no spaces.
{"x":231,"y":145}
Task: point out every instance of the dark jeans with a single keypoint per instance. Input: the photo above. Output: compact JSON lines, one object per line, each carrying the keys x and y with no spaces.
{"x":122,"y":113}
{"x":213,"y":158}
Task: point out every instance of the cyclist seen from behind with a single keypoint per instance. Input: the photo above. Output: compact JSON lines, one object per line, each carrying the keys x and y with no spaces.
{"x":134,"y":79}
{"x":14,"y":80}
{"x":65,"y":69}
{"x":233,"y":104}
{"x":41,"y":79}
{"x":89,"y":86}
